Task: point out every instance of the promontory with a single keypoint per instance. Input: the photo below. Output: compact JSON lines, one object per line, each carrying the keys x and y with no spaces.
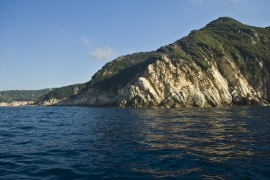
{"x":225,"y":63}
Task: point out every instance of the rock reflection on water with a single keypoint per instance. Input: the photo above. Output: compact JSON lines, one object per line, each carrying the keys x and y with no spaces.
{"x":212,"y":135}
{"x":208,"y":132}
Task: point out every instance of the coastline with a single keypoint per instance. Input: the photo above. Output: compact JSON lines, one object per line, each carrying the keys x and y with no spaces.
{"x":17,"y":103}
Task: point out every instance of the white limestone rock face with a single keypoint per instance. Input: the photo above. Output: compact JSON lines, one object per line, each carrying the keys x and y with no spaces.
{"x":170,"y":84}
{"x":52,"y":101}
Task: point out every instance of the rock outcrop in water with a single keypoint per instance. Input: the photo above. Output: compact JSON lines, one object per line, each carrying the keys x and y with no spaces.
{"x":223,"y":64}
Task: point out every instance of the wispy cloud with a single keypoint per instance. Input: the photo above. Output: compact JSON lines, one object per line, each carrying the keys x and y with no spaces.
{"x":102,"y":53}
{"x":97,"y":53}
{"x":87,"y":43}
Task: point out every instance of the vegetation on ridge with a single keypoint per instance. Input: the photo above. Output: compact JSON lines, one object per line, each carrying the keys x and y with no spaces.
{"x":120,"y":71}
{"x":64,"y":92}
{"x":248,"y":46}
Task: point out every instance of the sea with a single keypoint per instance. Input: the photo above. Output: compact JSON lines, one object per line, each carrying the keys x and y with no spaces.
{"x":112,"y":143}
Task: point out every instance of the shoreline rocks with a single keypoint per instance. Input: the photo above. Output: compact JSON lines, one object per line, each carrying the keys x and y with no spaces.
{"x":17,"y":103}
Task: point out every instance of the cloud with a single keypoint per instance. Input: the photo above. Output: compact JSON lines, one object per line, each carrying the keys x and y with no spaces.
{"x":86,"y":42}
{"x":99,"y":53}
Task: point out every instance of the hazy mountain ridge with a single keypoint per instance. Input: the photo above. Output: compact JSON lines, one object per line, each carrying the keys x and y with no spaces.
{"x":225,"y":63}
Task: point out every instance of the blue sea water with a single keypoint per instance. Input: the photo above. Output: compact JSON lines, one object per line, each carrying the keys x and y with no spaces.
{"x":112,"y":143}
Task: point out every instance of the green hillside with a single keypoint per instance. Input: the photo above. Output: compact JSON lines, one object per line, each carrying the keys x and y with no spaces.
{"x":22,"y":95}
{"x":120,"y":71}
{"x":248,"y":46}
{"x":64,"y":92}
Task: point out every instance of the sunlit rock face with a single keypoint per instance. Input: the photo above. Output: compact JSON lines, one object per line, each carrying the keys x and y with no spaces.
{"x":225,"y":63}
{"x":165,"y":84}
{"x":170,"y":85}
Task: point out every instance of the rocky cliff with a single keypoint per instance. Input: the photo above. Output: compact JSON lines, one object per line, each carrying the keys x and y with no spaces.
{"x":223,"y":64}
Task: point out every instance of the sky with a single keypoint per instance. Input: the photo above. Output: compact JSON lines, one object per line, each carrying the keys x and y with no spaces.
{"x":55,"y":43}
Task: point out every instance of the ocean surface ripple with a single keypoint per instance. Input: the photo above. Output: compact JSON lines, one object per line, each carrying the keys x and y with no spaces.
{"x":96,"y":143}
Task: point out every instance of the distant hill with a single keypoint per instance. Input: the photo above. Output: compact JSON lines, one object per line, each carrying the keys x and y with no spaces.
{"x":22,"y":95}
{"x":62,"y":93}
{"x":225,"y":63}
